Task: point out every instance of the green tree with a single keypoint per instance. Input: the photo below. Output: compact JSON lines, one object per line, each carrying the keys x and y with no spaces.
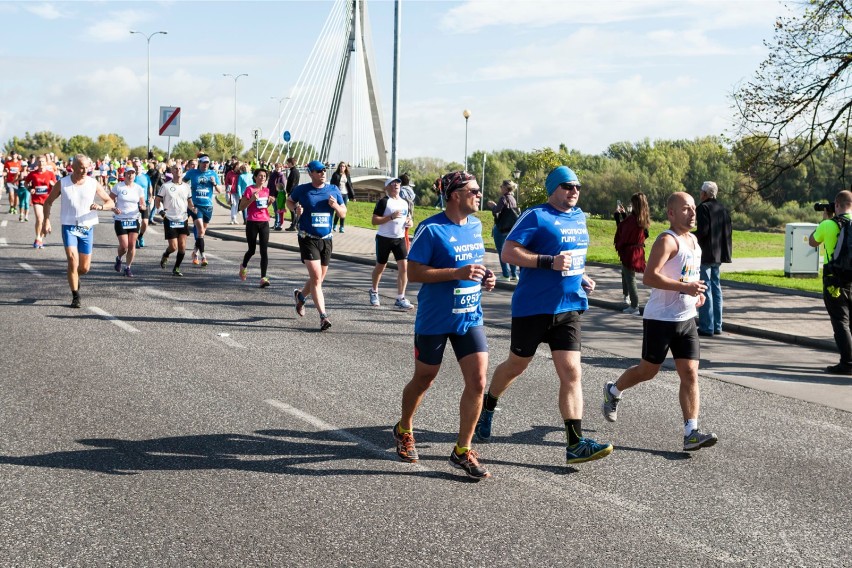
{"x":78,"y":144}
{"x":36,"y":143}
{"x":184,"y":150}
{"x":111,"y":145}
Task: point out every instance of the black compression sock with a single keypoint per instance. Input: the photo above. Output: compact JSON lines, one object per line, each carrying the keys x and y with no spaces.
{"x":490,"y":402}
{"x":574,"y":430}
{"x":179,"y":259}
{"x":199,"y":242}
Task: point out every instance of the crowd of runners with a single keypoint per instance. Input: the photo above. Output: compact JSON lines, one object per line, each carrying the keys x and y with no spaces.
{"x":548,"y":243}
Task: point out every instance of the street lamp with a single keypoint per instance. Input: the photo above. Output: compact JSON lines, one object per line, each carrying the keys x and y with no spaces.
{"x":148,"y":40}
{"x":466,"y":115}
{"x":236,"y":78}
{"x":281,"y":100}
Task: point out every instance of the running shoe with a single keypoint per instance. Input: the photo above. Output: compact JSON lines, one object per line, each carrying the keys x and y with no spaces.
{"x":40,"y":245}
{"x":204,"y":261}
{"x":483,"y":425}
{"x":243,"y":273}
{"x":469,"y":463}
{"x":195,"y":260}
{"x":127,"y":272}
{"x":35,"y":244}
{"x":264,"y":282}
{"x":697,"y":440}
{"x":20,"y":219}
{"x":26,"y":219}
{"x":587,"y":450}
{"x":75,"y":301}
{"x":177,"y":272}
{"x":325,"y":323}
{"x":405,"y":447}
{"x":300,"y":302}
{"x":630,"y":311}
{"x":341,"y":230}
{"x":290,"y":228}
{"x":140,"y":242}
{"x":117,"y":265}
{"x":609,"y":408}
{"x":164,"y":260}
{"x":402,"y":304}
{"x":374,"y":299}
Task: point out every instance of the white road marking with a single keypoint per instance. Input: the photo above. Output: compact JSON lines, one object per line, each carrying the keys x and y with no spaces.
{"x":4,"y":223}
{"x":30,"y":269}
{"x":226,"y":339}
{"x":159,"y":293}
{"x":3,"y":242}
{"x":112,"y":319}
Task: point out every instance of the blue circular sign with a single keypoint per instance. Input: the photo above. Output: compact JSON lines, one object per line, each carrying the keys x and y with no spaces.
{"x":286,"y":136}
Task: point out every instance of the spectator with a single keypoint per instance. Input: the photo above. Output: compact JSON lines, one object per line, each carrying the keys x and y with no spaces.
{"x":714,"y":237}
{"x":630,"y":244}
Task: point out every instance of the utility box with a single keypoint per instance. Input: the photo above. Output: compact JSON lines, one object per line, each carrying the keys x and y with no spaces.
{"x":801,"y":260}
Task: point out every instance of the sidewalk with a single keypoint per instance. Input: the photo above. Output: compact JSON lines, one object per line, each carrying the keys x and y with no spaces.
{"x":791,"y":317}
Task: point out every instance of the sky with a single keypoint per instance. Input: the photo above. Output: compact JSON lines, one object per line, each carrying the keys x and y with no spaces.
{"x":533,"y":74}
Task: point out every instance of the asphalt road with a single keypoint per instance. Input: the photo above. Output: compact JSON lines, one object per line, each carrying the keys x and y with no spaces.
{"x":154,"y":439}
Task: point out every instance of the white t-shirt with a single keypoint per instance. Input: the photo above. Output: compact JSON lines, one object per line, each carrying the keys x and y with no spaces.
{"x":127,"y":200}
{"x":394,"y":229}
{"x":175,"y":198}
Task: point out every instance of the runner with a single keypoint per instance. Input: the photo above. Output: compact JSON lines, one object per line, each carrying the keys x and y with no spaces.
{"x":173,"y":200}
{"x":79,"y":217}
{"x":549,"y":243}
{"x":314,"y":204}
{"x":255,"y":204}
{"x":673,"y":273}
{"x":204,"y":182}
{"x":23,"y":195}
{"x":142,"y":180}
{"x":393,"y":216}
{"x":447,"y":256}
{"x":129,"y":200}
{"x":12,"y":166}
{"x":39,"y":183}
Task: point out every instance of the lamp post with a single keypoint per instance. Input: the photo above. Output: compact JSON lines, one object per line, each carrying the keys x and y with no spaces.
{"x":281,"y":100}
{"x":148,"y":41}
{"x":236,"y":78}
{"x":466,"y":115}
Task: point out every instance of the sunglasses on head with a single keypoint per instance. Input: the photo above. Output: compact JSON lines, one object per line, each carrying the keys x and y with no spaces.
{"x":569,"y":186}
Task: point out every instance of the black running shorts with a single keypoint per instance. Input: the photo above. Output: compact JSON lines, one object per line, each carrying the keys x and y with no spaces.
{"x":660,"y":336}
{"x":429,"y":349}
{"x":561,"y":332}
{"x":386,"y":245}
{"x":315,"y":249}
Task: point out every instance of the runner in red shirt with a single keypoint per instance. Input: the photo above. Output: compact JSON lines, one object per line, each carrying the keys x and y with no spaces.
{"x":13,"y":176}
{"x":39,"y":182}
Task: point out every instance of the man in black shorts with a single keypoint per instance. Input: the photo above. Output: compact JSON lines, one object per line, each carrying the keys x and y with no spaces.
{"x":549,"y":243}
{"x":393,"y":216}
{"x":315,"y":203}
{"x":673,"y":272}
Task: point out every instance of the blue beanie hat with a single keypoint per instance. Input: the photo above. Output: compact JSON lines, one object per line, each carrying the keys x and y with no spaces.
{"x":562,"y":174}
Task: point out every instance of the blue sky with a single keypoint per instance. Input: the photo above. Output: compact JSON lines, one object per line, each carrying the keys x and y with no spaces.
{"x":533,"y":73}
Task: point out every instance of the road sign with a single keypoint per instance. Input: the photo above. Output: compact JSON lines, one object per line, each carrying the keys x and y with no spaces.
{"x":286,"y":136}
{"x":169,"y":121}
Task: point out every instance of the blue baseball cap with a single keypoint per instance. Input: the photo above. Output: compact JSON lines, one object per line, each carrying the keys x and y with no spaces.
{"x":316,"y":166}
{"x":562,"y":174}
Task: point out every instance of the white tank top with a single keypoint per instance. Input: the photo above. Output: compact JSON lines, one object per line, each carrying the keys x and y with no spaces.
{"x":77,"y":202}
{"x":685,"y":266}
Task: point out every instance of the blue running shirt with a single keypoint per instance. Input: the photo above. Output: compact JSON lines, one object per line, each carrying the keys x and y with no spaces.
{"x":454,"y":306}
{"x":203,"y":185}
{"x":316,"y":212}
{"x":545,"y":230}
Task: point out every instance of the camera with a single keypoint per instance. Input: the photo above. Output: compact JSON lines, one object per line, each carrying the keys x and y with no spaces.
{"x":824,"y":207}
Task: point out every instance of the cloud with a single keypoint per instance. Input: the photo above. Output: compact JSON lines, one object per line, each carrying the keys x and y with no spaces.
{"x":116,"y":26}
{"x":46,"y":11}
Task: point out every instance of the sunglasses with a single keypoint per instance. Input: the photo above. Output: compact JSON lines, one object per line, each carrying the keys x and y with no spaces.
{"x":569,"y":186}
{"x":318,"y":171}
{"x":474,"y":191}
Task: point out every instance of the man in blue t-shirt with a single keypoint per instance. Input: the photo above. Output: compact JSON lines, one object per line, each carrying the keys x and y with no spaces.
{"x":315,"y":203}
{"x":447,"y":255}
{"x":144,"y":182}
{"x":203,"y":182}
{"x":549,"y":243}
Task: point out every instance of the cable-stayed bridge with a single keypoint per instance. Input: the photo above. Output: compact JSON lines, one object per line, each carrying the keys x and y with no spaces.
{"x":333,"y":113}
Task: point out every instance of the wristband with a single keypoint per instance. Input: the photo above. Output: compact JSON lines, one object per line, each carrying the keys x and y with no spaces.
{"x":545,"y":261}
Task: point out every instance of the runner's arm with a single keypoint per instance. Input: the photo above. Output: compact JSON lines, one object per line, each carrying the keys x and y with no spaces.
{"x":428,"y":275}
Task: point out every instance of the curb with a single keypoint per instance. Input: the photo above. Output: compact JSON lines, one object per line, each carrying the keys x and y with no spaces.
{"x":750,"y":331}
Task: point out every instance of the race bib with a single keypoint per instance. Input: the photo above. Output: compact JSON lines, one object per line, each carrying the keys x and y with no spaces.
{"x":320,"y":219}
{"x":262,"y":202}
{"x":41,"y":190}
{"x":466,"y":300}
{"x":202,"y":193}
{"x":578,"y":263}
{"x":79,"y":231}
{"x":128,"y":224}
{"x":177,"y":224}
{"x":13,"y":170}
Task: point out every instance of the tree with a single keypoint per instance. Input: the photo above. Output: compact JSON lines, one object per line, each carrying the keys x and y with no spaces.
{"x":111,"y":145}
{"x":36,"y":143}
{"x":184,"y":150}
{"x":800,"y":94}
{"x":78,"y":144}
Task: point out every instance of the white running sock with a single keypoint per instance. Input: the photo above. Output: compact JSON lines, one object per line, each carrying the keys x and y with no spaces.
{"x":689,"y":426}
{"x":613,"y":390}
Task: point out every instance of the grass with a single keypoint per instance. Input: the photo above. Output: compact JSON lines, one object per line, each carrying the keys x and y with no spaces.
{"x":775,"y":278}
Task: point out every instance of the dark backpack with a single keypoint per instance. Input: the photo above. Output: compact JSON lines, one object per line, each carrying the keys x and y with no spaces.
{"x":506,"y":219}
{"x":840,"y":265}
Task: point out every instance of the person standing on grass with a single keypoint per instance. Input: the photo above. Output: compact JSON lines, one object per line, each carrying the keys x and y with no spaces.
{"x":629,"y":242}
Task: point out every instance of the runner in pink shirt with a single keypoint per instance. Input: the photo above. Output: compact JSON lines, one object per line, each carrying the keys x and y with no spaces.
{"x":255,"y":202}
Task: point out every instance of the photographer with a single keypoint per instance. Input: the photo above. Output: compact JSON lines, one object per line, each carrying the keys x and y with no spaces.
{"x":836,"y":288}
